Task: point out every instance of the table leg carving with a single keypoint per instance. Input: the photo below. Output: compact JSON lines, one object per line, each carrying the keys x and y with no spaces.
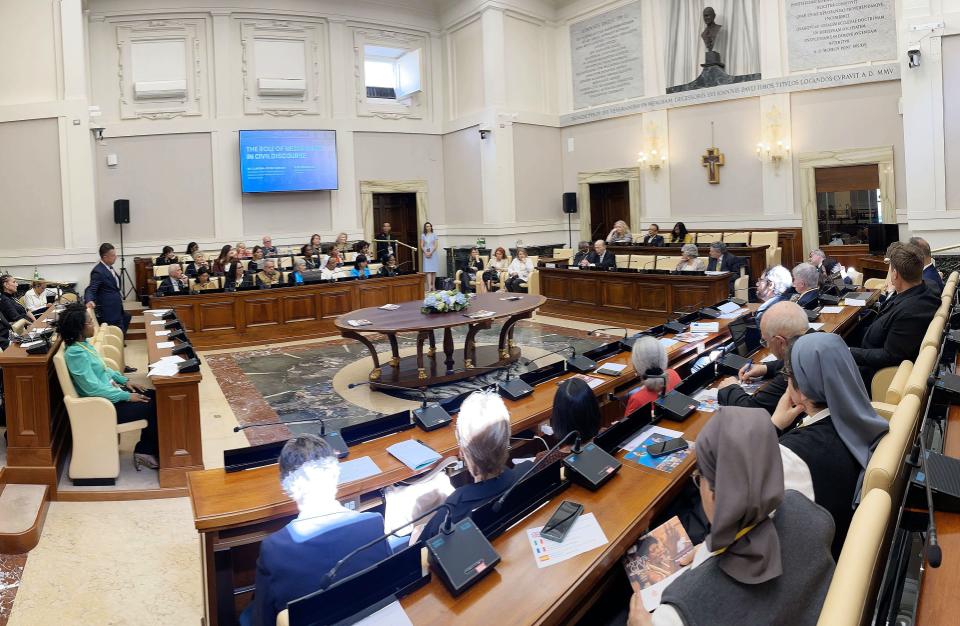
{"x":448,"y":348}
{"x":421,"y":337}
{"x":470,"y":345}
{"x":433,"y":344}
{"x":375,"y":374}
{"x":506,"y":333}
{"x":395,"y":350}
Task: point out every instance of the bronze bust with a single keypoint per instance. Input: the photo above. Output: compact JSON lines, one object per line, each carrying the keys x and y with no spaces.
{"x":709,"y":34}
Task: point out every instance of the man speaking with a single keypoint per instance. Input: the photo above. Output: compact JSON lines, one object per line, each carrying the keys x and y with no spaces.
{"x":103,"y":293}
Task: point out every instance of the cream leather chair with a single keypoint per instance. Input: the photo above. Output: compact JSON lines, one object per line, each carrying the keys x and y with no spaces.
{"x":623,"y":260}
{"x":886,"y":463}
{"x":856,"y":277}
{"x":558,"y":253}
{"x":108,"y":338}
{"x":643,"y":261}
{"x":874,"y":283}
{"x":741,"y":287}
{"x":922,"y":368}
{"x":161,"y":271}
{"x":93,"y":422}
{"x":533,"y":283}
{"x":709,"y":237}
{"x":771,"y":239}
{"x":20,"y":326}
{"x":736,"y":237}
{"x":458,"y":277}
{"x":934,"y":334}
{"x":859,"y":564}
{"x":283,"y":618}
{"x":667,"y":262}
{"x":888,"y":387}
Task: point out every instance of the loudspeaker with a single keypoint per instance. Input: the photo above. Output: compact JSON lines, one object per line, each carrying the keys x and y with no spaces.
{"x":880,"y":236}
{"x":121,"y":211}
{"x":570,"y":202}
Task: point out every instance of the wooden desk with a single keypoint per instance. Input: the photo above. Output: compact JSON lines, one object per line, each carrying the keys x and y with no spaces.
{"x":756,"y":255}
{"x":620,"y":297}
{"x":246,"y":318}
{"x":234,"y":512}
{"x":848,"y":255}
{"x":178,"y":416}
{"x":872,"y":266}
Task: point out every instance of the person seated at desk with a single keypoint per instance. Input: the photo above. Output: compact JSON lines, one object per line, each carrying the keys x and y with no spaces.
{"x":653,"y":236}
{"x":723,"y":261}
{"x":897,"y":331}
{"x":781,"y":324}
{"x":314,"y":246}
{"x":829,"y":450}
{"x":679,"y":234}
{"x":203,"y":282}
{"x":92,"y":378}
{"x":767,"y":557}
{"x":227,"y":256}
{"x":620,"y":233}
{"x":341,"y":244}
{"x":35,"y":300}
{"x":690,"y":260}
{"x":166,"y":257}
{"x":360,"y":269}
{"x":362,"y":247}
{"x":483,"y":432}
{"x":775,"y":285}
{"x":237,"y":278}
{"x":931,"y":275}
{"x":519,"y":272}
{"x":835,"y":275}
{"x":580,"y":259}
{"x":192,"y":247}
{"x":499,"y":263}
{"x":472,"y":268}
{"x":310,"y":260}
{"x":174,"y":283}
{"x":389,"y":267}
{"x":806,"y":279}
{"x":295,"y":560}
{"x":5,"y":329}
{"x":330,"y":271}
{"x":269,"y":276}
{"x":601,"y":258}
{"x":256,"y":260}
{"x":649,"y":360}
{"x":268,"y":248}
{"x":11,"y":309}
{"x":241,"y":251}
{"x":199,"y":261}
{"x":296,"y":276}
{"x":575,"y":408}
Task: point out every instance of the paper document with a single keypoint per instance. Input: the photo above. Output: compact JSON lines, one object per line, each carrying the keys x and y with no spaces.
{"x":612,"y":369}
{"x":157,"y":323}
{"x":390,"y":615}
{"x":585,"y":535}
{"x":714,"y":273}
{"x":728,"y":307}
{"x":816,"y":325}
{"x":157,"y":312}
{"x":666,"y":463}
{"x":657,"y":559}
{"x":173,"y":358}
{"x":666,"y":342}
{"x":768,"y":358}
{"x":164,"y":369}
{"x":357,"y":469}
{"x":165,"y":344}
{"x":592,"y":381}
{"x":708,"y":400}
{"x":831,"y":309}
{"x":390,"y":307}
{"x":645,"y":433}
{"x":413,"y":454}
{"x":691,"y":337}
{"x":734,"y":315}
{"x":705,"y":327}
{"x":853,"y":302}
{"x":162,"y":333}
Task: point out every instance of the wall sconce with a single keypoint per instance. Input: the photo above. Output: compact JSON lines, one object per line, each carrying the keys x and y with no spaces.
{"x":774,"y":146}
{"x":653,"y":157}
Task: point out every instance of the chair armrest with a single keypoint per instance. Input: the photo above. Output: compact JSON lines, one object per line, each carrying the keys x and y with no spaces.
{"x":884,"y":409}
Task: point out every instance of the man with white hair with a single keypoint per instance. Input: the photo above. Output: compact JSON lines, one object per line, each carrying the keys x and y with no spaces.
{"x":268,"y":276}
{"x":782,"y":323}
{"x":268,"y":248}
{"x":174,"y":283}
{"x":774,"y":286}
{"x":806,"y":281}
{"x":483,"y":432}
{"x":601,"y":258}
{"x":294,"y":560}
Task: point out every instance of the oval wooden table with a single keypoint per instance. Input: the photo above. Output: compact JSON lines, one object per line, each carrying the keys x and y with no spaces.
{"x":426,"y":368}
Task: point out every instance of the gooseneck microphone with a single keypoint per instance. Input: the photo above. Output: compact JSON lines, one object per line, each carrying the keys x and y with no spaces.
{"x":499,"y":502}
{"x":427,"y":416}
{"x":333,"y":438}
{"x":932,"y":549}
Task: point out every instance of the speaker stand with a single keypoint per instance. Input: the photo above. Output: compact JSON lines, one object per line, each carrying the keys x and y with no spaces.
{"x":124,"y":274}
{"x":570,"y":230}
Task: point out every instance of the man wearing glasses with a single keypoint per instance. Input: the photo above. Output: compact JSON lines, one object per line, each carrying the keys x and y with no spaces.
{"x":781,"y":323}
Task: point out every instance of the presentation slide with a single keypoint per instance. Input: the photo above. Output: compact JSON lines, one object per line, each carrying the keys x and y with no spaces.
{"x":288,"y":160}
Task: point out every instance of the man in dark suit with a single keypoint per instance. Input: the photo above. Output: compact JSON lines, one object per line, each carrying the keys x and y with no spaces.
{"x":601,"y":258}
{"x":723,"y":261}
{"x":295,"y":560}
{"x":583,"y":253}
{"x":806,"y":279}
{"x":385,"y":243}
{"x":931,"y":275}
{"x":781,"y":323}
{"x":174,"y":283}
{"x":653,"y":236}
{"x":103,"y":293}
{"x":897,"y":331}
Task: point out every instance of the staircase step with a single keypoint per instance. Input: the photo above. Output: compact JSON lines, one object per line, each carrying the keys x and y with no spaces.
{"x":22,"y":511}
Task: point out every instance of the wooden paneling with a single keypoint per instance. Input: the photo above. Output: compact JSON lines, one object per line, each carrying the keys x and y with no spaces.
{"x":554,"y":287}
{"x":847,"y":255}
{"x":583,"y":290}
{"x":847,"y":178}
{"x":653,"y":299}
{"x":244,"y":318}
{"x":692,"y":296}
{"x":618,"y":294}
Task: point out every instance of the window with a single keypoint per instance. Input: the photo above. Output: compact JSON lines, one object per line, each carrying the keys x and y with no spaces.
{"x":391,"y":73}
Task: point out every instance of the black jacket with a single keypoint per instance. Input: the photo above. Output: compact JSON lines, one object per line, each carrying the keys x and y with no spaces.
{"x":809,"y":300}
{"x":165,"y":288}
{"x":580,"y":256}
{"x":897,"y":332}
{"x":4,"y":333}
{"x":727,"y":263}
{"x":653,"y":240}
{"x":11,"y":309}
{"x":608,"y":261}
{"x":766,"y":397}
{"x":384,"y":249}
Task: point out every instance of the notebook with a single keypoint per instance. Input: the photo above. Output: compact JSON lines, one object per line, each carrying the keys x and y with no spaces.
{"x":414,"y":454}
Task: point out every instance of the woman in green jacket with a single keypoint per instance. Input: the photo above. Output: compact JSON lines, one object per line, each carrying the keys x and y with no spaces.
{"x":92,"y":378}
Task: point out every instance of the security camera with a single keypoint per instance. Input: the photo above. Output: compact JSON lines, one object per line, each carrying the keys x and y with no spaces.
{"x":485,"y":131}
{"x":97,"y":132}
{"x":913,"y":57}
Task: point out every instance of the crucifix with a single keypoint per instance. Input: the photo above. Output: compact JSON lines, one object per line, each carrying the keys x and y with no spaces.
{"x":712,"y":160}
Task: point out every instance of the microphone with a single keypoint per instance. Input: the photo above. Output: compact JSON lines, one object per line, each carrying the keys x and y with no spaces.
{"x":428,"y":416}
{"x":516,"y":388}
{"x":648,"y":263}
{"x":932,"y":549}
{"x":591,"y":465}
{"x":498,"y":504}
{"x":333,"y":437}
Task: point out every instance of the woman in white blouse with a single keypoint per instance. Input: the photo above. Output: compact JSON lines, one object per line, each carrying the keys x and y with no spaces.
{"x":35,"y":300}
{"x":519,"y":272}
{"x":689,"y":261}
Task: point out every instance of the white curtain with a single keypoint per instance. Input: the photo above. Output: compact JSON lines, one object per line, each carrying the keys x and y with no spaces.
{"x":738,"y":42}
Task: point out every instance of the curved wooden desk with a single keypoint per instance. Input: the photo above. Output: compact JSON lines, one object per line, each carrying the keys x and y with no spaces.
{"x":459,"y":364}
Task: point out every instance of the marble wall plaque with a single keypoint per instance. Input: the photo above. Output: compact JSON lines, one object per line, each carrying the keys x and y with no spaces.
{"x":607,"y":63}
{"x":828,"y":33}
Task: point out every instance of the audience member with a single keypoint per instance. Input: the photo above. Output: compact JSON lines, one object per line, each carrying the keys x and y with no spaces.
{"x":781,"y":324}
{"x":775,"y":285}
{"x":767,"y":557}
{"x":237,"y":278}
{"x":897,"y":331}
{"x":256,"y":260}
{"x":103,"y":293}
{"x":92,"y":378}
{"x":5,"y":329}
{"x":690,"y":260}
{"x":649,"y":360}
{"x":723,"y":261}
{"x":580,"y":259}
{"x":389,"y":268}
{"x":296,"y":276}
{"x":330,"y":271}
{"x":203,"y":282}
{"x":295,"y":560}
{"x":519,"y":272}
{"x":653,"y":236}
{"x":174,"y":283}
{"x":830,"y":448}
{"x":314,"y":246}
{"x":931,"y":275}
{"x":268,"y":276}
{"x":386,"y":242}
{"x":35,"y":300}
{"x":806,"y":281}
{"x":268,"y":248}
{"x":620,"y":233}
{"x":221,"y":263}
{"x":575,"y":408}
{"x":483,"y":434}
{"x":498,"y":264}
{"x":192,"y":247}
{"x":472,"y":269}
{"x":679,"y":234}
{"x":362,"y":247}
{"x":310,"y":261}
{"x":341,"y":243}
{"x":198,"y":263}
{"x":430,"y":246}
{"x":242,"y":252}
{"x":601,"y":258}
{"x":360,"y":269}
{"x":11,"y":309}
{"x":166,"y":257}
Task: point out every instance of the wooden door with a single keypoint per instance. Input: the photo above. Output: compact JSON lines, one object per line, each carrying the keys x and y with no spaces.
{"x":400,"y":209}
{"x":609,"y":202}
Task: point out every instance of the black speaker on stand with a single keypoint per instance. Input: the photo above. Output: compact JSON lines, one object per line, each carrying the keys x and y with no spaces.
{"x":570,"y":207}
{"x":121,"y":216}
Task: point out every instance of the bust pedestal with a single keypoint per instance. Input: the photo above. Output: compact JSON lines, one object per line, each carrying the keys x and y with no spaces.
{"x":712,"y":74}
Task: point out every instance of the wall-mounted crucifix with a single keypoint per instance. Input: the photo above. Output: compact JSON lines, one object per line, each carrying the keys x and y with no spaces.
{"x":712,"y":160}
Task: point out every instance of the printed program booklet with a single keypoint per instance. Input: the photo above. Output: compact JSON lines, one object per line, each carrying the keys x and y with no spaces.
{"x":657,"y":559}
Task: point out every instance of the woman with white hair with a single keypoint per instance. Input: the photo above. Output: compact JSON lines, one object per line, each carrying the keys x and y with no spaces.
{"x":649,"y":359}
{"x":620,"y":233}
{"x":689,"y":259}
{"x":294,"y":560}
{"x":483,"y":433}
{"x":775,"y":285}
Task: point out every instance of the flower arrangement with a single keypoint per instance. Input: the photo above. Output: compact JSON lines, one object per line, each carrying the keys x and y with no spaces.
{"x":444,"y":302}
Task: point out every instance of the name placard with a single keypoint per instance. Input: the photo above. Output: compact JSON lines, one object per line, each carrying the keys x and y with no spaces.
{"x":828,"y":33}
{"x":606,"y":57}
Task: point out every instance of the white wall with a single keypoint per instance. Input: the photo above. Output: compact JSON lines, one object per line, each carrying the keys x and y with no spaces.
{"x":461,"y":180}
{"x":538,"y":171}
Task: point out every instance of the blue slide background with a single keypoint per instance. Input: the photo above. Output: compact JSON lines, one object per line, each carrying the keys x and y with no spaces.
{"x":288,"y":160}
